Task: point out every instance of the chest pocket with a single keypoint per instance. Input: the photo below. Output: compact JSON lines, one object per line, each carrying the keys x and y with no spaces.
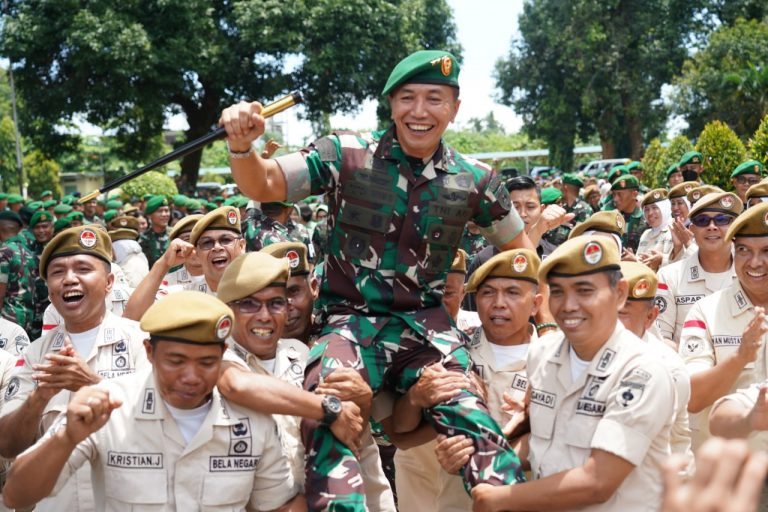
{"x":144,"y":489}
{"x":230,"y":491}
{"x":446,"y":218}
{"x":542,"y":417}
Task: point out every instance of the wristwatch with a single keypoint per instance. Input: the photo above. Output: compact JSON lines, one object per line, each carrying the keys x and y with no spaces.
{"x":331,"y":409}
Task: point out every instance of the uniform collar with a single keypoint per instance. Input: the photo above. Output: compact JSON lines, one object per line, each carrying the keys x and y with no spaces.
{"x":444,"y":158}
{"x":695,"y":272}
{"x":482,"y":347}
{"x":738,"y":301}
{"x":109,"y":333}
{"x":285,"y":357}
{"x":600,"y":366}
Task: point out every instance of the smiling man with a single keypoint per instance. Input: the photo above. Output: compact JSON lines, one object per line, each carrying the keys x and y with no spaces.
{"x":90,"y":345}
{"x":399,"y":201}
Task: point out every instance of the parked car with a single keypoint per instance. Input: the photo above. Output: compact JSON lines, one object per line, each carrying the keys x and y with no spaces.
{"x":596,"y":167}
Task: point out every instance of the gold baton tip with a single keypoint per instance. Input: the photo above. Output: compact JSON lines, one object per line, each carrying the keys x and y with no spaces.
{"x":283,"y":103}
{"x":89,"y":197}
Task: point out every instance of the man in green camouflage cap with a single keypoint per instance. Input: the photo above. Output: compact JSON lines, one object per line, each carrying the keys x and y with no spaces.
{"x":15,"y":202}
{"x":674,"y":176}
{"x":399,"y":201}
{"x":17,"y":273}
{"x":624,"y":191}
{"x":636,"y":169}
{"x":154,"y":241}
{"x":745,"y":175}
{"x":571,"y":203}
{"x":691,"y":165}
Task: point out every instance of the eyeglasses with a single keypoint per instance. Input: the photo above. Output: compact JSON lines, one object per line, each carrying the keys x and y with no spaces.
{"x":754,"y":201}
{"x":720,"y":219}
{"x":249,"y":305}
{"x":742,"y":180}
{"x":206,"y":244}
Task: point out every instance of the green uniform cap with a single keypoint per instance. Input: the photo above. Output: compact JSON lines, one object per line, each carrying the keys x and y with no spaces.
{"x":3,"y":196}
{"x":15,"y":199}
{"x":294,"y":252}
{"x":616,"y":171}
{"x":424,"y":67}
{"x":748,"y":167}
{"x":550,"y":195}
{"x":642,"y":280}
{"x":631,"y":166}
{"x":180,"y":200}
{"x":230,"y":201}
{"x":724,"y":202}
{"x":211,"y":206}
{"x":682,"y":189}
{"x":194,"y":205}
{"x":606,"y":222}
{"x":581,"y":256}
{"x":572,"y":179}
{"x":672,"y":168}
{"x":691,"y":157}
{"x":628,"y":182}
{"x":77,"y":240}
{"x":46,"y":193}
{"x":40,"y":216}
{"x":12,"y":216}
{"x":68,"y":199}
{"x":62,"y":209}
{"x":514,"y":264}
{"x":61,"y":224}
{"x":250,"y":273}
{"x":75,"y":215}
{"x":109,"y":215}
{"x":154,"y":203}
{"x":284,"y":204}
{"x":185,"y":225}
{"x":114,"y":204}
{"x":753,"y":222}
{"x":51,"y":202}
{"x":759,"y":190}
{"x":147,"y":197}
{"x":36,"y":205}
{"x":654,"y":196}
{"x":218,"y":199}
{"x":697,"y":193}
{"x":188,"y":317}
{"x":226,"y":217}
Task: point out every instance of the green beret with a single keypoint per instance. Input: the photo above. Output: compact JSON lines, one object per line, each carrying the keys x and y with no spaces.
{"x":194,"y":205}
{"x":611,"y":221}
{"x":459,"y":265}
{"x":250,"y":273}
{"x":725,"y":202}
{"x":62,"y":209}
{"x":550,"y":195}
{"x":109,"y":215}
{"x":184,"y":225}
{"x":218,"y":199}
{"x":691,"y":157}
{"x":15,"y":199}
{"x":752,"y":223}
{"x":75,"y":216}
{"x":154,"y":203}
{"x":188,"y":317}
{"x":698,"y":192}
{"x":672,"y":168}
{"x":123,"y":234}
{"x":627,"y":182}
{"x":241,"y":202}
{"x":147,"y":197}
{"x":572,"y":179}
{"x":180,"y":200}
{"x":230,"y":201}
{"x":283,"y":204}
{"x":51,"y":202}
{"x":654,"y":196}
{"x":642,"y":280}
{"x":759,"y":190}
{"x":211,"y":206}
{"x":125,"y":222}
{"x":294,"y":252}
{"x":748,"y":167}
{"x":226,"y":217}
{"x":62,"y":224}
{"x":40,"y":216}
{"x":68,"y":199}
{"x":514,"y":264}
{"x":682,"y":189}
{"x":631,"y":166}
{"x":3,"y":196}
{"x":616,"y":171}
{"x":114,"y":204}
{"x":12,"y":216}
{"x":77,"y":240}
{"x":581,"y":256}
{"x":45,"y":193}
{"x":36,"y":205}
{"x":424,"y":67}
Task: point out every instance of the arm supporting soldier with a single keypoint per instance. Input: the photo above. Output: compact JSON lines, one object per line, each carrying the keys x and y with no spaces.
{"x":737,"y":416}
{"x":20,"y":428}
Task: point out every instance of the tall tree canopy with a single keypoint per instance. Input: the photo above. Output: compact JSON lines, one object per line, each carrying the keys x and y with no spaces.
{"x":126,"y":65}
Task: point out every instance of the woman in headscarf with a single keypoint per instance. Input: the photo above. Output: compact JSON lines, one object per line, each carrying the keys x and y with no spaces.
{"x":656,"y":244}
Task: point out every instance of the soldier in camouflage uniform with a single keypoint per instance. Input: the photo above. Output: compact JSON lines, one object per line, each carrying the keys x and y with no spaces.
{"x":472,"y":241}
{"x":17,"y":274}
{"x":571,"y":204}
{"x":154,"y":241}
{"x":260,"y":231}
{"x":624,"y":191}
{"x":635,"y":168}
{"x":399,"y":201}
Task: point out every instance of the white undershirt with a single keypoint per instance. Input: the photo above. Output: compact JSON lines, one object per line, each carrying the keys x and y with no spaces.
{"x":84,"y":341}
{"x":189,"y":420}
{"x":578,"y":366}
{"x":269,"y":364}
{"x":506,"y":355}
{"x":717,"y":281}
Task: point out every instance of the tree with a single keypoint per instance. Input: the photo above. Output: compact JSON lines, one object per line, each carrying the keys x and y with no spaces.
{"x":721,"y":151}
{"x":42,"y":174}
{"x":125,"y":66}
{"x":152,"y":182}
{"x":727,"y":80}
{"x":658,"y":158}
{"x":758,"y":144}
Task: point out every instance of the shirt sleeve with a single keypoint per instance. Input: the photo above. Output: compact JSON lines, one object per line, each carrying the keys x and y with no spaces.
{"x":273,"y":483}
{"x":313,"y":170}
{"x":636,"y":412}
{"x":695,"y":346}
{"x":667,"y":307}
{"x":496,"y":217}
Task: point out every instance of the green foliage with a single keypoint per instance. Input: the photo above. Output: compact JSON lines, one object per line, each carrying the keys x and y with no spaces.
{"x":722,"y":151}
{"x":727,"y":80}
{"x":213,"y":177}
{"x":658,"y":158}
{"x":758,"y":144}
{"x":8,"y":172}
{"x":675,"y":150}
{"x":152,"y":182}
{"x":41,"y":173}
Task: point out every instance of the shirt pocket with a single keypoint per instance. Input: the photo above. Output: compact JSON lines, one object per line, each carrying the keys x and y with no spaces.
{"x":135,"y":489}
{"x":226,"y":492}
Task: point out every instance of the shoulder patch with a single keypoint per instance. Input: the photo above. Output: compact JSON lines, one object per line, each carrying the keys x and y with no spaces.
{"x":326,"y":149}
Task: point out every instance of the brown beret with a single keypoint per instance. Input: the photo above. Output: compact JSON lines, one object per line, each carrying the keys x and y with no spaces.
{"x":189,"y":317}
{"x":590,"y":189}
{"x":642,"y":280}
{"x":250,"y":273}
{"x":514,"y":264}
{"x":78,"y":240}
{"x":226,"y":217}
{"x":682,"y":189}
{"x":123,"y":234}
{"x":698,"y":192}
{"x":579,"y":256}
{"x":752,"y":223}
{"x":294,"y":252}
{"x":459,"y":265}
{"x":654,"y":196}
{"x":725,"y":202}
{"x":759,"y":190}
{"x":184,"y":225}
{"x":124,"y":222}
{"x":607,"y":221}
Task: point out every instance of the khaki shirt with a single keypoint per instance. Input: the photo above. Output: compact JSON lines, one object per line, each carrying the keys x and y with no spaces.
{"x":176,"y":280}
{"x":681,"y":285}
{"x":712,"y":332}
{"x":661,"y":242}
{"x":747,"y":397}
{"x":118,"y":350}
{"x":623,"y":403}
{"x":7,"y":364}
{"x":13,"y":338}
{"x":140,"y":460}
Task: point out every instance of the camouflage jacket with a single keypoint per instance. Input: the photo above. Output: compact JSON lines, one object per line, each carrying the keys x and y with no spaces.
{"x":393,"y":230}
{"x":154,"y":244}
{"x":634,"y":229}
{"x":34,"y":249}
{"x":260,"y":231}
{"x":560,"y":234}
{"x":472,"y":244}
{"x":18,"y":272}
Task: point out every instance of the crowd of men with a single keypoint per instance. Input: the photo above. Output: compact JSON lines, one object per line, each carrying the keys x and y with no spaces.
{"x":380,"y":323}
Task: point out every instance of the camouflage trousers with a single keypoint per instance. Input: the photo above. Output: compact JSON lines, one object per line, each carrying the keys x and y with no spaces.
{"x":394,"y":360}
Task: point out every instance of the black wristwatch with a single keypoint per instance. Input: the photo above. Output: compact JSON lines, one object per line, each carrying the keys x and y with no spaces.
{"x":331,"y":409}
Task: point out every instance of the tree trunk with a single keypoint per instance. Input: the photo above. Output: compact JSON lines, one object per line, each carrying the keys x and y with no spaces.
{"x":201,"y":119}
{"x":634,"y":130}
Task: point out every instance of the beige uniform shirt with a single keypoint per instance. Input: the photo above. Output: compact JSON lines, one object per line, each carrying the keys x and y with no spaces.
{"x":140,"y":460}
{"x":118,"y":350}
{"x":13,"y":338}
{"x":747,"y":397}
{"x":712,"y":332}
{"x":7,"y":364}
{"x":661,"y":242}
{"x":177,"y":280}
{"x":681,"y":285}
{"x":623,"y":403}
